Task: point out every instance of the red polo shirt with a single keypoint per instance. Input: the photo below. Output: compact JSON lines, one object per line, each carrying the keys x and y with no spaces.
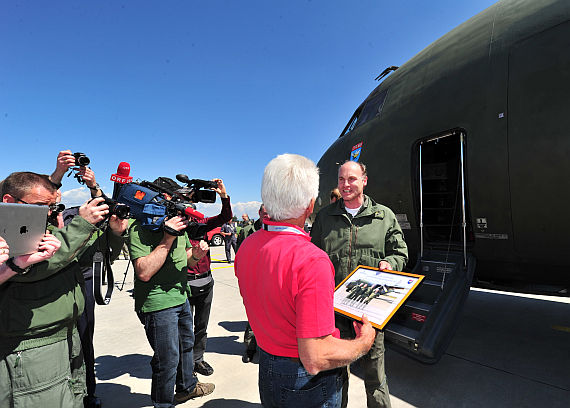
{"x":287,"y":286}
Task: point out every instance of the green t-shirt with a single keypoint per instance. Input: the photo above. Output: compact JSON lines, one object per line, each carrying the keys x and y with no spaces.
{"x":169,"y":286}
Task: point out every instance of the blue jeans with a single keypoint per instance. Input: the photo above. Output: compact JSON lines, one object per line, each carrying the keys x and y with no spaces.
{"x":284,"y":382}
{"x":170,"y":335}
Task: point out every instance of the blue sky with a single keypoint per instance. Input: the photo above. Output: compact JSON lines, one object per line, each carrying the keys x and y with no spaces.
{"x":206,"y":88}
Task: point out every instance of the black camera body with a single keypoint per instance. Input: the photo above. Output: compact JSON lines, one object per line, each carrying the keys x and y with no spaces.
{"x":121,"y":210}
{"x":195,"y":230}
{"x":81,"y":159}
{"x":198,"y":191}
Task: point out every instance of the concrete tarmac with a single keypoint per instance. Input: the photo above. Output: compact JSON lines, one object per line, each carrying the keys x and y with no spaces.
{"x":509,"y":351}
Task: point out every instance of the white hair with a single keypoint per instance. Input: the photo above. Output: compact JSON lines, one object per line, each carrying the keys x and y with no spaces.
{"x":289,"y":184}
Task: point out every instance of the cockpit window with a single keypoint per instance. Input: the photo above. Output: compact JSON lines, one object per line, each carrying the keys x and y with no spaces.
{"x":351,"y":122}
{"x":371,"y":109}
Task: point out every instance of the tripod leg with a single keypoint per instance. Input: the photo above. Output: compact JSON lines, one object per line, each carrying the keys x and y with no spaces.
{"x":125,"y":277}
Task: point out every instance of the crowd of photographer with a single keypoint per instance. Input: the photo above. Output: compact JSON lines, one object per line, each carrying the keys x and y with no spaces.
{"x":47,"y":297}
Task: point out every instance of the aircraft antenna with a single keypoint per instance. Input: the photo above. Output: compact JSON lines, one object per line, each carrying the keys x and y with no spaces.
{"x":386,"y":72}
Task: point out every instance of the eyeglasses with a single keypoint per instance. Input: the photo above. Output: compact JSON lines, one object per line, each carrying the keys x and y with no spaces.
{"x":55,"y":207}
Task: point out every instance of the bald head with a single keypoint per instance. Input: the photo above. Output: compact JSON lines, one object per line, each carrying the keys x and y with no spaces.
{"x":352,"y":179}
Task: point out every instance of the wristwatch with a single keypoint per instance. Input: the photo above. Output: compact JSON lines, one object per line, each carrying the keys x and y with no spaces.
{"x":16,"y":268}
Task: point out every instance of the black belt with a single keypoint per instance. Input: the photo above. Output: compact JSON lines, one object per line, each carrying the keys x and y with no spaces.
{"x":194,"y":276}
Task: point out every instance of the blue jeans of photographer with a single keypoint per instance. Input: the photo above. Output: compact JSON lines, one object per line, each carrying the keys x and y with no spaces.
{"x":169,"y":333}
{"x":284,"y":382}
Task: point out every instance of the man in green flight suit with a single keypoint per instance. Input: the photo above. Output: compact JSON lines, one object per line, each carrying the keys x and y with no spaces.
{"x":40,"y":352}
{"x":354,"y":231}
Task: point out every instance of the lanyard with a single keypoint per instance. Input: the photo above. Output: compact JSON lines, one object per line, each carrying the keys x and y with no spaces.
{"x":283,"y":228}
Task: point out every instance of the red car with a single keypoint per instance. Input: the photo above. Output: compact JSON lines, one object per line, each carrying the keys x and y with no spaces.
{"x":214,"y":237}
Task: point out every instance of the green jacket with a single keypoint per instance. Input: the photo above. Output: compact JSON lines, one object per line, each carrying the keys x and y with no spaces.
{"x":41,"y":307}
{"x":248,"y":230}
{"x":373,"y":235}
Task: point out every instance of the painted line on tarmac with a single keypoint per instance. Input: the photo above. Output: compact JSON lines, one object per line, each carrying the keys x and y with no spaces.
{"x":561,"y":328}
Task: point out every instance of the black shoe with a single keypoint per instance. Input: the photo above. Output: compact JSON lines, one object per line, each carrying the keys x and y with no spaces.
{"x":91,"y":401}
{"x":248,"y":356}
{"x":203,"y":368}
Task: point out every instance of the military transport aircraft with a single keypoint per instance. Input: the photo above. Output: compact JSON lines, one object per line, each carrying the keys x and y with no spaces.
{"x":469,"y":144}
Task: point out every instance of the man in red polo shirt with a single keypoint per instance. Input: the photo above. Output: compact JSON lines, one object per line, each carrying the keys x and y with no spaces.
{"x":287,"y":285}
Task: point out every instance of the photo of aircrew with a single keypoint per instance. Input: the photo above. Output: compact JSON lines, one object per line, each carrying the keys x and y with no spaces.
{"x":361,"y":293}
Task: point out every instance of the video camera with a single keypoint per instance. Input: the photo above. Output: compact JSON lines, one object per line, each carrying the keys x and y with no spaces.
{"x":194,"y":189}
{"x":151,"y":208}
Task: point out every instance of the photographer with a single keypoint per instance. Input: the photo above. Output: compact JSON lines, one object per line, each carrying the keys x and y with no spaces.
{"x":161,"y":302}
{"x":201,"y":284}
{"x":39,"y":343}
{"x":66,"y":160}
{"x":86,"y":322}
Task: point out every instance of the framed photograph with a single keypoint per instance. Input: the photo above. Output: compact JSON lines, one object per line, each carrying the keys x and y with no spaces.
{"x":374,"y":292}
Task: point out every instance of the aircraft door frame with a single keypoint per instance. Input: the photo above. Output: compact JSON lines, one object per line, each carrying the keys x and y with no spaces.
{"x":460,"y":134}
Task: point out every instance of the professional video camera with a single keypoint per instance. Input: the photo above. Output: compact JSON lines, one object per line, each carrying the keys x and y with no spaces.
{"x":151,"y":208}
{"x":194,"y":189}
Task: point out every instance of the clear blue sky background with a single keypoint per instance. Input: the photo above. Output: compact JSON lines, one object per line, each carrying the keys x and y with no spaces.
{"x":207,"y":88}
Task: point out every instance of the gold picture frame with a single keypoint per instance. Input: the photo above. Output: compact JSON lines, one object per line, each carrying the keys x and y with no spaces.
{"x":376,"y":293}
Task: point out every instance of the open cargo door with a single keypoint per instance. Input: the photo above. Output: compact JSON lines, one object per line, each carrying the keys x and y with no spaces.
{"x":425,"y":324}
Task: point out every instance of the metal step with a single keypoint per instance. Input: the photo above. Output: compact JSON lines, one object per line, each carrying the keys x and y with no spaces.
{"x":403,"y":335}
{"x":424,"y":325}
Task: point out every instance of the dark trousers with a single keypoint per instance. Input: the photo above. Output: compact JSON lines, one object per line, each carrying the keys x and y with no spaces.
{"x":86,"y":328}
{"x":230,"y":243}
{"x":284,"y":382}
{"x":169,"y":333}
{"x":201,"y":302}
{"x":375,"y":382}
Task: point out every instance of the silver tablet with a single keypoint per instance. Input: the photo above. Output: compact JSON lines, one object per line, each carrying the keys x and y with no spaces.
{"x":23,"y":226}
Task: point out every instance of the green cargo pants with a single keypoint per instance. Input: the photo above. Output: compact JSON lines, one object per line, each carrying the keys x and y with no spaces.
{"x":375,"y":382}
{"x":47,"y":376}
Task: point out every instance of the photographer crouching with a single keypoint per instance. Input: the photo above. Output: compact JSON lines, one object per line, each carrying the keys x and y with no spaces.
{"x":40,"y":353}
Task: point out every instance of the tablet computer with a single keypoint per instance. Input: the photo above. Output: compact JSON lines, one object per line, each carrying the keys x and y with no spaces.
{"x":23,"y":226}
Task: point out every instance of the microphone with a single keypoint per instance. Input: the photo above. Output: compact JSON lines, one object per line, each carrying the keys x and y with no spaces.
{"x":183,"y":178}
{"x":121,"y":177}
{"x":190,"y":212}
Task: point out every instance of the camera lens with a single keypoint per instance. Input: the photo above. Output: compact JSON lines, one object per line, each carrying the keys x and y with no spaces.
{"x":122,"y":211}
{"x":82,"y":161}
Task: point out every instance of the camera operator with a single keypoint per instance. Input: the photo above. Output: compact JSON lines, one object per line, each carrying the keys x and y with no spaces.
{"x":39,"y":343}
{"x":161,"y":294}
{"x":86,"y":322}
{"x":201,"y":284}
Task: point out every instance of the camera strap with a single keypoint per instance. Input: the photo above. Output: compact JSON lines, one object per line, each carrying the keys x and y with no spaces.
{"x":102,"y":269}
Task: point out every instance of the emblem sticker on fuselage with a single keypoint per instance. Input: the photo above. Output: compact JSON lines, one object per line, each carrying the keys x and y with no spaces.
{"x":355,"y":152}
